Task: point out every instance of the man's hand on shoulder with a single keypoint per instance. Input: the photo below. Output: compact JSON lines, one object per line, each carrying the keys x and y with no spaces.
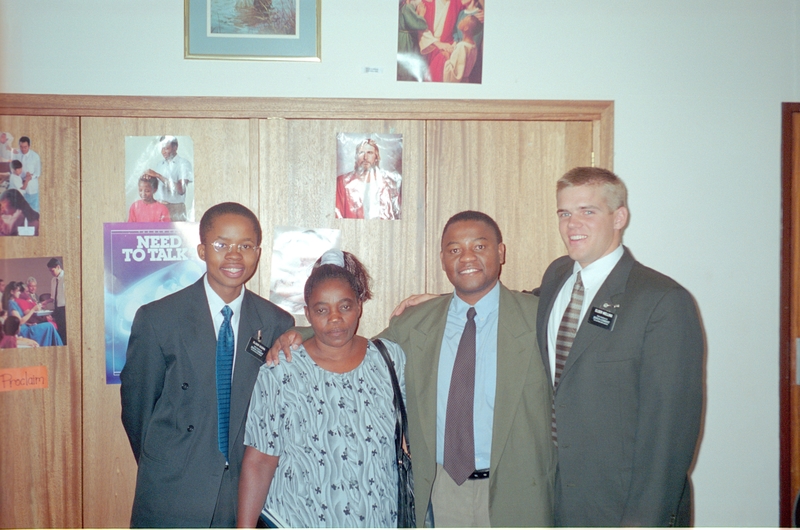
{"x":411,"y":301}
{"x":290,"y":340}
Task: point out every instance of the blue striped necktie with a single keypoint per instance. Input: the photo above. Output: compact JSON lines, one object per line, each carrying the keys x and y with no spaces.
{"x":224,"y":370}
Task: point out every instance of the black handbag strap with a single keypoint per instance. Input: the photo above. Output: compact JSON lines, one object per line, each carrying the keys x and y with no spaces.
{"x":399,"y":405}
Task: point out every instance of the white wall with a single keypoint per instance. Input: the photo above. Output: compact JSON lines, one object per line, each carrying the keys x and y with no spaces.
{"x":697,"y":84}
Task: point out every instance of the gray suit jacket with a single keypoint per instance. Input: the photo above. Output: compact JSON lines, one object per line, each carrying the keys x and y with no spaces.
{"x":629,"y":401}
{"x":169,"y":407}
{"x":523,"y":456}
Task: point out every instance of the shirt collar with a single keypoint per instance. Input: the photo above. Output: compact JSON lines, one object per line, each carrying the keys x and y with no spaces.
{"x":483,"y":308}
{"x":215,"y":303}
{"x":594,"y":274}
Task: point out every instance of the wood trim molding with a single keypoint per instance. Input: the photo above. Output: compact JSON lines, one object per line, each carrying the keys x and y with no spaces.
{"x":294,"y":108}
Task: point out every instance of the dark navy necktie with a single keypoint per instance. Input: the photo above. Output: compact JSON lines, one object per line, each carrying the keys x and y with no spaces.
{"x":224,"y":370}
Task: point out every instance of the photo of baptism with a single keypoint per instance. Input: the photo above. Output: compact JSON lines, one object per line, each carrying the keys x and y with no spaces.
{"x":402,"y":263}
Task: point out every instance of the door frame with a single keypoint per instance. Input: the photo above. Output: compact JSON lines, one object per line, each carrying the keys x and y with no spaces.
{"x":790,"y":182}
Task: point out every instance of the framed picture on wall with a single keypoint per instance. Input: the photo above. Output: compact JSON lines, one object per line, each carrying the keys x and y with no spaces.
{"x":369,"y":170}
{"x":440,"y":41}
{"x":273,"y":30}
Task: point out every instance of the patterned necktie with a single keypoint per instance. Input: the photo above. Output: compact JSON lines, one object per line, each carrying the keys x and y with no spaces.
{"x":566,"y":334}
{"x":224,"y":369}
{"x":459,"y":434}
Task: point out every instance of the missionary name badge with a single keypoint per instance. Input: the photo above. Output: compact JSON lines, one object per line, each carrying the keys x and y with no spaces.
{"x":256,"y":348}
{"x":602,"y":318}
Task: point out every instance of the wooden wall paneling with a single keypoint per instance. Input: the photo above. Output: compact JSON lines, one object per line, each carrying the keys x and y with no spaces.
{"x":507,"y":169}
{"x":254,"y":202}
{"x":283,"y":168}
{"x":40,"y":447}
{"x":298,"y":187}
{"x":308,"y":108}
{"x":223,"y":172}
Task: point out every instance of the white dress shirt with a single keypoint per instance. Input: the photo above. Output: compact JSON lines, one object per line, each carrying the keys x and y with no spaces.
{"x":215,"y":304}
{"x":173,"y":170}
{"x":592,"y":277}
{"x":59,"y":294}
{"x":31,"y":163}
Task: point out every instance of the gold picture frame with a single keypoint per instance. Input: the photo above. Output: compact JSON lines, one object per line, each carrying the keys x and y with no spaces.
{"x":265,"y":30}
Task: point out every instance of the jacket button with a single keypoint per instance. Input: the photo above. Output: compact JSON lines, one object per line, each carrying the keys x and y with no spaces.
{"x":185,"y":386}
{"x":190,"y":428}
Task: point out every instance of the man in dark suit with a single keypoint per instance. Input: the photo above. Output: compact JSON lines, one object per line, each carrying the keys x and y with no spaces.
{"x":188,"y":469}
{"x":629,"y":391}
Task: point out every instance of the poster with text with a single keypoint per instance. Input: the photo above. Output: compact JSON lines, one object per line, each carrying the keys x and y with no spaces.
{"x":159,"y":179}
{"x":143,"y":262}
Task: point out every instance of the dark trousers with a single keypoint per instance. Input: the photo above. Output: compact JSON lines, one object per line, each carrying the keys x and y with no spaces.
{"x":177,"y":211}
{"x":60,"y":318}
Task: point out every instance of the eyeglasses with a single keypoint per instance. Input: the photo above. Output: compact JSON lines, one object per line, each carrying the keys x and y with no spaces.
{"x":242,"y":248}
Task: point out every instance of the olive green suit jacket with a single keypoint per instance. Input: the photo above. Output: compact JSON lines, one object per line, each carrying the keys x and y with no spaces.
{"x":523,"y":461}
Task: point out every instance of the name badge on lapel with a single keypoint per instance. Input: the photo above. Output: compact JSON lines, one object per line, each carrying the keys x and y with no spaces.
{"x":602,"y":318}
{"x":256,"y":348}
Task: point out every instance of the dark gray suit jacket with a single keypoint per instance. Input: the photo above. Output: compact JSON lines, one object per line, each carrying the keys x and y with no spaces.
{"x":169,"y":407}
{"x":629,"y":401}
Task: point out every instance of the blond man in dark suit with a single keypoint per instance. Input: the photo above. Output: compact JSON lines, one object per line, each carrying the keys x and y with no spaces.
{"x":629,"y":396}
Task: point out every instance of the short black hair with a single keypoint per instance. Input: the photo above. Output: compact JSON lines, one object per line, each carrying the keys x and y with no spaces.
{"x":16,"y":164}
{"x":25,"y":139}
{"x":53,"y":263}
{"x":472,"y":215}
{"x":224,"y":208}
{"x":11,"y":326}
{"x":150,"y":180}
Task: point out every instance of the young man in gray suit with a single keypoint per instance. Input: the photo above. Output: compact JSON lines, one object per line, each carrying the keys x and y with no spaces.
{"x":629,"y":390}
{"x":177,"y":380}
{"x":506,"y":478}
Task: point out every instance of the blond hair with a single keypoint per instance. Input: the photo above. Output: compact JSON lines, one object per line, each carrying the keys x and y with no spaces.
{"x":614,"y":189}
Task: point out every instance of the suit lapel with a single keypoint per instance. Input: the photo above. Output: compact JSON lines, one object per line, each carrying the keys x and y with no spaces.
{"x":513,"y":359}
{"x":547,"y":299}
{"x":200,"y":339}
{"x":609,"y":292}
{"x":426,"y":339}
{"x":246,"y":368}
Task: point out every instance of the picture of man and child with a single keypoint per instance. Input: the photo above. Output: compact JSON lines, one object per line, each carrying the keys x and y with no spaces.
{"x":158,"y":180}
{"x":20,"y":172}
